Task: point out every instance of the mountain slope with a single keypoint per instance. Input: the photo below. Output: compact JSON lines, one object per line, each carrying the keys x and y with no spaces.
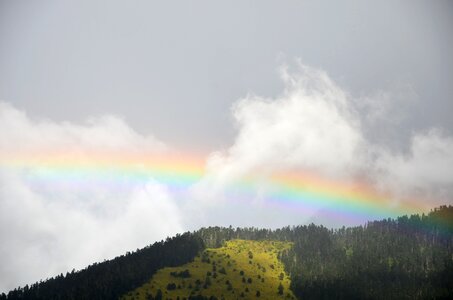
{"x":110,"y":279}
{"x":239,"y":269}
{"x":410,"y":257}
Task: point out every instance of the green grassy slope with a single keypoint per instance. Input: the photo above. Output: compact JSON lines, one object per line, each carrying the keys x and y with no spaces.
{"x":241,"y":269}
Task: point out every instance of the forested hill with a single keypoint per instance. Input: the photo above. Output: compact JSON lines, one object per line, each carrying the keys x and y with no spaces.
{"x":410,"y":257}
{"x":111,"y":279}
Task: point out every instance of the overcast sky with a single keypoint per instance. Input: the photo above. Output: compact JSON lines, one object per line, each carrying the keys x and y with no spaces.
{"x":174,"y":69}
{"x":346,"y":90}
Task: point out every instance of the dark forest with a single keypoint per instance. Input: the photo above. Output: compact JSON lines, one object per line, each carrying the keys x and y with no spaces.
{"x":410,"y":257}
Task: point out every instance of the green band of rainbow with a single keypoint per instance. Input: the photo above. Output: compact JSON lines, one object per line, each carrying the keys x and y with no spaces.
{"x":294,"y":190}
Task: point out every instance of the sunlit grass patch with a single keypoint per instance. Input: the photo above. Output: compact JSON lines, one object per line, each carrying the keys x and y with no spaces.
{"x":241,"y":269}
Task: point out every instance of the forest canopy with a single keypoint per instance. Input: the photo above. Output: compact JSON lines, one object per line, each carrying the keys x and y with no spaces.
{"x":410,"y":257}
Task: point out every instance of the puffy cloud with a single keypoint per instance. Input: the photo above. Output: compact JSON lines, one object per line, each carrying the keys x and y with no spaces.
{"x":48,"y":226}
{"x":425,"y":171}
{"x":315,"y":126}
{"x":311,"y":126}
{"x":21,"y":133}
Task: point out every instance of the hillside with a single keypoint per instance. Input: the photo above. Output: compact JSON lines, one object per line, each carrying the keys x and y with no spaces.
{"x":239,"y":269}
{"x":410,"y":257}
{"x":111,"y":279}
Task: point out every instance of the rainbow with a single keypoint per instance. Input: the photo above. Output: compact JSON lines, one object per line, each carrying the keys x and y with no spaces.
{"x":293,"y":190}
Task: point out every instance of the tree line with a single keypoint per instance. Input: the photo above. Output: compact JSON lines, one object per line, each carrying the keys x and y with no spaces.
{"x":113,"y":278}
{"x":410,"y":257}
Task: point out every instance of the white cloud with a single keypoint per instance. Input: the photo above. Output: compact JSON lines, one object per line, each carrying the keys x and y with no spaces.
{"x":426,"y":171}
{"x":317,"y":127}
{"x":48,"y":226}
{"x":311,"y":126}
{"x":21,"y":133}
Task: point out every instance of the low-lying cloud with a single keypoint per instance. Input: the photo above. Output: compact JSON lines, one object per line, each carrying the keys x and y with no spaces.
{"x":424,"y":172}
{"x":47,"y":227}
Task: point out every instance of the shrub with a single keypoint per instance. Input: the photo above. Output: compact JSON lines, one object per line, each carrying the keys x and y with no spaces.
{"x":280,"y":289}
{"x":182,"y":274}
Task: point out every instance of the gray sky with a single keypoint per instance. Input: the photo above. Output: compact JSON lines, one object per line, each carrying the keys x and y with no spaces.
{"x":175,"y":68}
{"x":350,"y":92}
